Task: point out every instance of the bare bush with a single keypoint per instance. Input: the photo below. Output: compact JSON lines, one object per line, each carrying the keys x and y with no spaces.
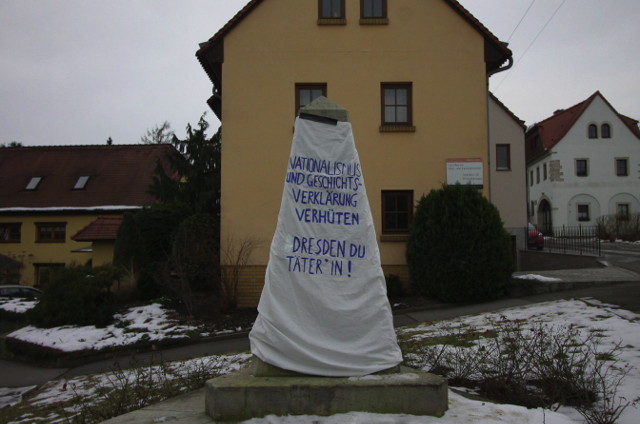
{"x":613,"y":227}
{"x":235,"y":254}
{"x":511,"y":357}
{"x":452,"y":358}
{"x":533,"y":366}
{"x":605,"y":381}
{"x":132,"y":389}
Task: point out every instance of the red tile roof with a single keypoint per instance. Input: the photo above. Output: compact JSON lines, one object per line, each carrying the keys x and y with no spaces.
{"x":119,"y":176}
{"x":488,"y":36}
{"x":551,"y":130}
{"x":105,"y":227}
{"x":554,"y":128}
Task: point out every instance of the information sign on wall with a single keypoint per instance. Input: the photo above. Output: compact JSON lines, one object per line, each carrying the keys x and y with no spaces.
{"x":465,"y":171}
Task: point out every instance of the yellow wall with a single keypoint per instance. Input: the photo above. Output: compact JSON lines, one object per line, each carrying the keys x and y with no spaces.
{"x":280,"y":44}
{"x":102,"y":252}
{"x":28,"y":251}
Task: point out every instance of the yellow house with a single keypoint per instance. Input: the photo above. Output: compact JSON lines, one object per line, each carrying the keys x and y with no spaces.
{"x":53,"y":198}
{"x":413,"y":75}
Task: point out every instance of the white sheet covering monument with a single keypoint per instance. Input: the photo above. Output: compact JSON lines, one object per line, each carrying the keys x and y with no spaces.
{"x":324,"y":309}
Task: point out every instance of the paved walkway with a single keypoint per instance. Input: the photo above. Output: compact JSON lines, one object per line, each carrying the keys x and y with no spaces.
{"x":593,"y":276}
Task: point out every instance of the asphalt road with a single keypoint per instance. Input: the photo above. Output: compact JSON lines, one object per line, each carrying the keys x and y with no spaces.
{"x":624,"y":259}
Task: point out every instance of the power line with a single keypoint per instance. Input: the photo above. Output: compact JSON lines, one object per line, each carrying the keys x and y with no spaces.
{"x":531,"y":44}
{"x":521,"y":19}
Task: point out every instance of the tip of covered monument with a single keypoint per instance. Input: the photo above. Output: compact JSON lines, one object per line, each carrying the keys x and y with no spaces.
{"x":322,"y":107}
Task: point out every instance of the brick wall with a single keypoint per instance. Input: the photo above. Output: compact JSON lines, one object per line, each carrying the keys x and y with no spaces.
{"x":250,"y":285}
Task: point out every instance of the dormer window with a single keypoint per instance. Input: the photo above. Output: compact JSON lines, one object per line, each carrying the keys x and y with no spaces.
{"x":33,"y":183}
{"x":81,"y":183}
{"x":605,"y":131}
{"x":593,"y":131}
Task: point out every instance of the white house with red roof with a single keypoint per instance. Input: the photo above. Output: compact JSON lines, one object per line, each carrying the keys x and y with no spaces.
{"x":582,"y":163}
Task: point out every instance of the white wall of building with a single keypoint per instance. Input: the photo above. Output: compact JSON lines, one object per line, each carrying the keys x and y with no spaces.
{"x":602,"y":189}
{"x":508,"y":187}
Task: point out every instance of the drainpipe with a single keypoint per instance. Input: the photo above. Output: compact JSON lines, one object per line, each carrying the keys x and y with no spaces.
{"x":495,"y":71}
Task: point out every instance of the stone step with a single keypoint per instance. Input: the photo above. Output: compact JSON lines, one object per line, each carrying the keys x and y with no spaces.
{"x":240,"y":396}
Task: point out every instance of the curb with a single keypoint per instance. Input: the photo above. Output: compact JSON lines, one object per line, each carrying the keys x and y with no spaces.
{"x":523,"y":288}
{"x":53,"y":358}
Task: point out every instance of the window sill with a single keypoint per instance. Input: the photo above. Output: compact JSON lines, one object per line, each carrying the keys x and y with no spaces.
{"x":50,"y":241}
{"x":374,"y":21}
{"x":397,"y":128}
{"x":332,"y":21}
{"x":10,"y":241}
{"x":394,"y":237}
{"x":503,"y":169}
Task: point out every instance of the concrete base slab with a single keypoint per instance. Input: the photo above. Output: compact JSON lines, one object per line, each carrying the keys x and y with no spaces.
{"x":183,"y":409}
{"x":242,"y":396}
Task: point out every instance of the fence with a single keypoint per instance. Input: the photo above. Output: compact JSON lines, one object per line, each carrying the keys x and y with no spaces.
{"x":569,"y":239}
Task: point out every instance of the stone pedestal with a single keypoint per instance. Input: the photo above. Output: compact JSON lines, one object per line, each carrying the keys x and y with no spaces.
{"x":243,"y":395}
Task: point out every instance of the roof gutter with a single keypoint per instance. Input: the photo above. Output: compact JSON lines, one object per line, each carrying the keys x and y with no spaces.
{"x":503,"y":68}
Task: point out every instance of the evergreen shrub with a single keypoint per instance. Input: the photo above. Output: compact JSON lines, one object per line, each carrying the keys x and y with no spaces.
{"x":394,"y":286}
{"x":458,"y":249}
{"x":197,"y":251}
{"x":77,"y":295}
{"x":144,"y":242}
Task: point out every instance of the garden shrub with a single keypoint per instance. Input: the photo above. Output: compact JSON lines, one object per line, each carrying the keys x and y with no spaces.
{"x":191,"y":277}
{"x":197,"y":250}
{"x":458,"y":249}
{"x":394,"y":286}
{"x":77,"y":295}
{"x":613,"y":227}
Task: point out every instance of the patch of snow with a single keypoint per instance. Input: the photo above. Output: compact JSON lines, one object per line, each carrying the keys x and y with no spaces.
{"x":141,"y":323}
{"x":536,"y":277}
{"x":16,"y":305}
{"x":10,"y":396}
{"x":613,"y":325}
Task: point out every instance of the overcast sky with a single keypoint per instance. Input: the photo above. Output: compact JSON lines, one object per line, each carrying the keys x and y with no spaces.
{"x":79,"y":71}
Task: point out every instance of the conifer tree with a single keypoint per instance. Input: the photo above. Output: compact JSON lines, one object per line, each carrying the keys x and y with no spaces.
{"x":192,"y":177}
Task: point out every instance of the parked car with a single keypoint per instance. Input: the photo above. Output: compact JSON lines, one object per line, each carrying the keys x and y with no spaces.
{"x":535,"y":238}
{"x":24,"y":292}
